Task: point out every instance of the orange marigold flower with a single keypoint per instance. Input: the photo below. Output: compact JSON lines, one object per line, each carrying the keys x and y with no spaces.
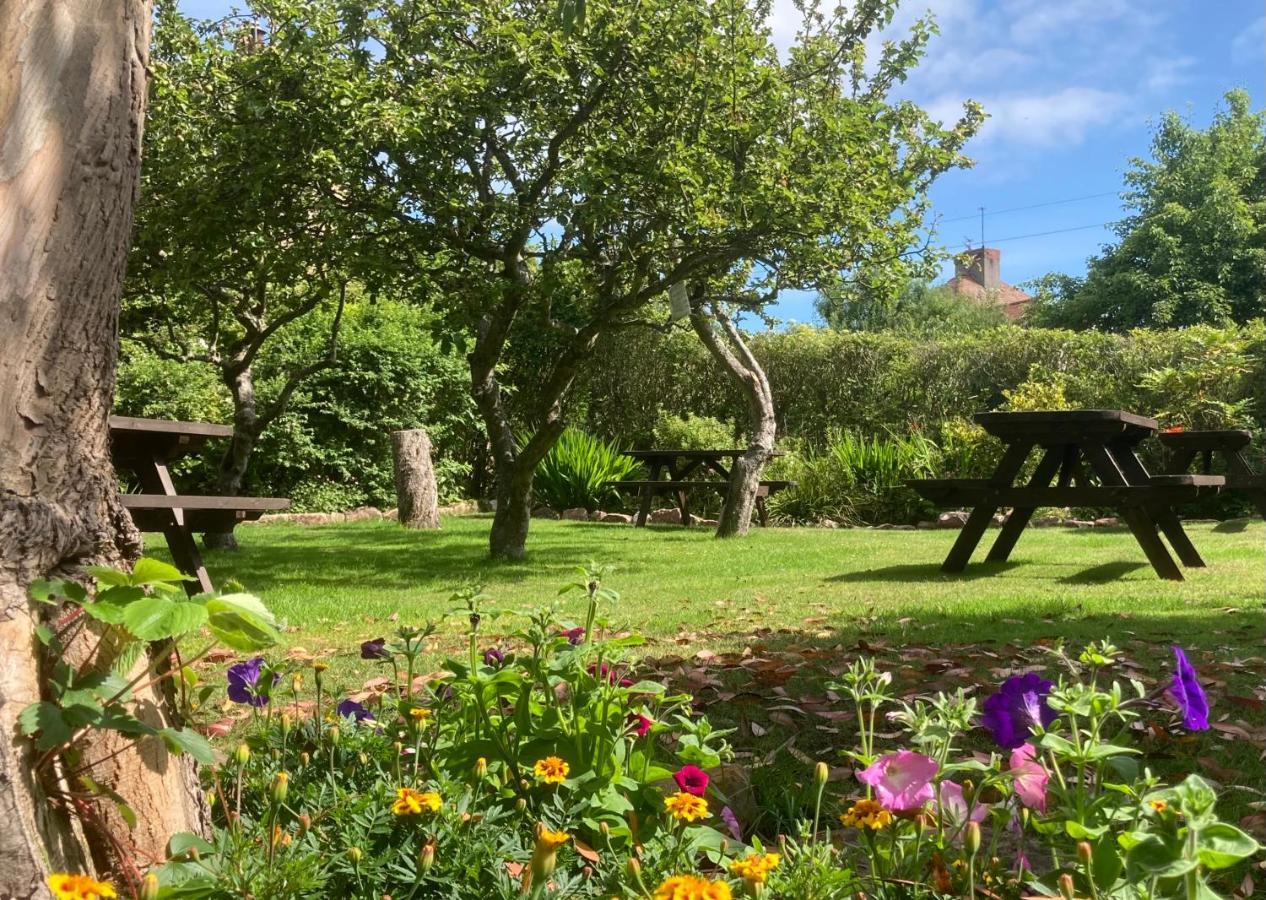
{"x":692,"y":887}
{"x":866,"y":814}
{"x":419,"y":713}
{"x":686,"y":807}
{"x":552,"y":770}
{"x":755,"y":867}
{"x":410,"y":802}
{"x":79,"y":887}
{"x":1158,"y":805}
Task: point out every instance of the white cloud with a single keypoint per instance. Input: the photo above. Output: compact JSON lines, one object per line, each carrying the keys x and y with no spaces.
{"x":1163,"y":73}
{"x":1249,"y":46}
{"x":1062,"y":117}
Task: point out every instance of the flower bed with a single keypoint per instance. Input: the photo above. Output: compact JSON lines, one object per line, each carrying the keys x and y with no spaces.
{"x":546,"y":768}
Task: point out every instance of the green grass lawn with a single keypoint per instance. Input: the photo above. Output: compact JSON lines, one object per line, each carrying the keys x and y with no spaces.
{"x":756,"y":628}
{"x":338,"y":583}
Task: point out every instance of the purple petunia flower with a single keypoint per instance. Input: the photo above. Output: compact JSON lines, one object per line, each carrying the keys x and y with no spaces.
{"x":375,"y":649}
{"x":731,"y":822}
{"x":1019,"y":705}
{"x":494,"y":657}
{"x":350,"y":709}
{"x":1189,"y":694}
{"x":574,"y":636}
{"x":244,"y":686}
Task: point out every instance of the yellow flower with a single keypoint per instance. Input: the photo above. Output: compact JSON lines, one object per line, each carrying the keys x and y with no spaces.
{"x":755,"y":867}
{"x":686,"y":807}
{"x":419,"y":713}
{"x":1157,"y":805}
{"x":551,"y":770}
{"x":692,"y":887}
{"x":866,"y":814}
{"x":410,"y":802}
{"x":79,"y":887}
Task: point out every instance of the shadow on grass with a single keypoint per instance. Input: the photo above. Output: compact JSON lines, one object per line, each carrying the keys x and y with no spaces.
{"x":922,"y":572}
{"x":1102,"y":574}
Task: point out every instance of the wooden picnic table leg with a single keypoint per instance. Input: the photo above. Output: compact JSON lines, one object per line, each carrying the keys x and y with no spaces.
{"x":648,"y":496}
{"x":982,"y":515}
{"x":1113,"y":468}
{"x":156,"y":479}
{"x":1053,"y":460}
{"x":1162,"y":514}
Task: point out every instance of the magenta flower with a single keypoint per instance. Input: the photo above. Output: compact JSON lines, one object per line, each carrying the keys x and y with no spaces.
{"x":574,"y":636}
{"x":1189,"y":694}
{"x":494,"y":658}
{"x":610,"y":674}
{"x":350,"y":709}
{"x":903,"y":780}
{"x":640,"y":725}
{"x":375,"y":649}
{"x":691,"y":779}
{"x":244,"y":686}
{"x":1029,"y":777}
{"x":952,"y":806}
{"x":1019,"y":706}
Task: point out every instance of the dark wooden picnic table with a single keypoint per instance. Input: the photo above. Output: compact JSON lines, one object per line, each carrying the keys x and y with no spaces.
{"x":1091,"y":456}
{"x":679,"y":466}
{"x":1186,"y":447}
{"x":146,"y":448}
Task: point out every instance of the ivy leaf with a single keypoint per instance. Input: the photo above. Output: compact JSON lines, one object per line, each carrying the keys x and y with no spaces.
{"x":157,"y":618}
{"x":46,"y":719}
{"x":188,"y":741}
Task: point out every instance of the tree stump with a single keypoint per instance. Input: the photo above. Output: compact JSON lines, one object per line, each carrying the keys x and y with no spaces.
{"x":416,"y":494}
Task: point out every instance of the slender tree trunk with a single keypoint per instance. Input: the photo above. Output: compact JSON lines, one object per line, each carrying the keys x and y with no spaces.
{"x":237,"y":455}
{"x":732,"y":352}
{"x":72,"y":97}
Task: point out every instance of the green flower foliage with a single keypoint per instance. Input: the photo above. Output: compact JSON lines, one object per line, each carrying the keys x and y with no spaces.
{"x":576,"y":473}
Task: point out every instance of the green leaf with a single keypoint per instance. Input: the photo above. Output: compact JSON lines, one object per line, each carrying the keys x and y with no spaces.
{"x":1160,"y":856}
{"x":188,"y":741}
{"x":646,"y":687}
{"x":55,"y":590}
{"x":111,"y":602}
{"x":157,"y":573}
{"x":157,"y":618}
{"x":183,"y":841}
{"x":1221,"y":845}
{"x":106,"y":575}
{"x":242,"y":622}
{"x":46,"y":719}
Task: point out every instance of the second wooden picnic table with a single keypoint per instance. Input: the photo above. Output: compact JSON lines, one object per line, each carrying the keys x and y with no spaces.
{"x":1091,"y":456}
{"x":679,"y":466}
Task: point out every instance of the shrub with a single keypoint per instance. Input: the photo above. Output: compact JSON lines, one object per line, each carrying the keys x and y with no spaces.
{"x":576,"y":470}
{"x":857,"y":479}
{"x":691,"y":432}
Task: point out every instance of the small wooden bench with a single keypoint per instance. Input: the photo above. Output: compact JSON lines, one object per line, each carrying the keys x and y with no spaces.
{"x":1184,"y":447}
{"x":682,"y":487}
{"x":1164,"y":489}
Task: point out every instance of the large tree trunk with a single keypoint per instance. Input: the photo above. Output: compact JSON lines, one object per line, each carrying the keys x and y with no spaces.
{"x":417,"y":498}
{"x":237,"y":455}
{"x":732,"y":352}
{"x":72,"y":96}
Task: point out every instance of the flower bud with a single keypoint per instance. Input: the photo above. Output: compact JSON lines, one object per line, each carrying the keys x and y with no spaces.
{"x":426,"y":857}
{"x":821,"y":773}
{"x":242,"y":754}
{"x":399,"y":748}
{"x":275,"y":753}
{"x":586,"y":873}
{"x":1085,"y":852}
{"x":296,"y":682}
{"x":334,"y":733}
{"x":520,"y":805}
{"x":285,"y":723}
{"x":362,"y":758}
{"x":725,"y":846}
{"x":474,"y":621}
{"x":1066,"y":888}
{"x":545,"y":852}
{"x":973,"y":837}
{"x":320,"y":667}
{"x":281,"y":787}
{"x":149,"y":887}
{"x":481,"y":768}
{"x":304,"y":758}
{"x":634,"y":868}
{"x":605,"y":830}
{"x":355,"y":854}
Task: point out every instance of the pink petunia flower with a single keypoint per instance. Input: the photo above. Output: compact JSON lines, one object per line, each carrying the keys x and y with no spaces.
{"x":692,"y":779}
{"x":952,"y":806}
{"x":1029,"y":777}
{"x":639,"y":724}
{"x":903,"y":780}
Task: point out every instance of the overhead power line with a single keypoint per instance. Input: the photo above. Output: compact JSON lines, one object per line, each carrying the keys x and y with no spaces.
{"x":1021,"y":237}
{"x":1011,"y":209}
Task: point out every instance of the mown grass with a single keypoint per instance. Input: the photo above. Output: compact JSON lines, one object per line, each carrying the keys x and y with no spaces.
{"x":756,"y":628}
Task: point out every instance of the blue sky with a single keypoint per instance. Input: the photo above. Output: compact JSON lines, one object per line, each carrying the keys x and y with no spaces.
{"x":1072,"y":88}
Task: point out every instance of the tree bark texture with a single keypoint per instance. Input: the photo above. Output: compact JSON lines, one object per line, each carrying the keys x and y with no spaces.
{"x":731,"y":351}
{"x":72,"y":98}
{"x":417,"y":498}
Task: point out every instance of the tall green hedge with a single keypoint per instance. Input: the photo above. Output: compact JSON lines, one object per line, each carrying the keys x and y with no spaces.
{"x":826,"y":381}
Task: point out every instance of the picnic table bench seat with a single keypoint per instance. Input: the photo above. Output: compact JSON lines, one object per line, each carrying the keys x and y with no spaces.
{"x":157,"y":512}
{"x":1167,"y":489}
{"x":648,"y":488}
{"x":1185,"y":447}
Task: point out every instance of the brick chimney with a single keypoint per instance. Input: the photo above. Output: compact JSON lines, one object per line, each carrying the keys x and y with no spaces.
{"x":982,"y":265}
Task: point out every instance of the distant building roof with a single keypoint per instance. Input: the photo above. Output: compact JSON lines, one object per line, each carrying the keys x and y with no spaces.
{"x":977,"y":274}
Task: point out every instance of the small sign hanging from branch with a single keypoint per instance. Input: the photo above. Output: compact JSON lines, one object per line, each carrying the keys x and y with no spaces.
{"x":678,"y":302}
